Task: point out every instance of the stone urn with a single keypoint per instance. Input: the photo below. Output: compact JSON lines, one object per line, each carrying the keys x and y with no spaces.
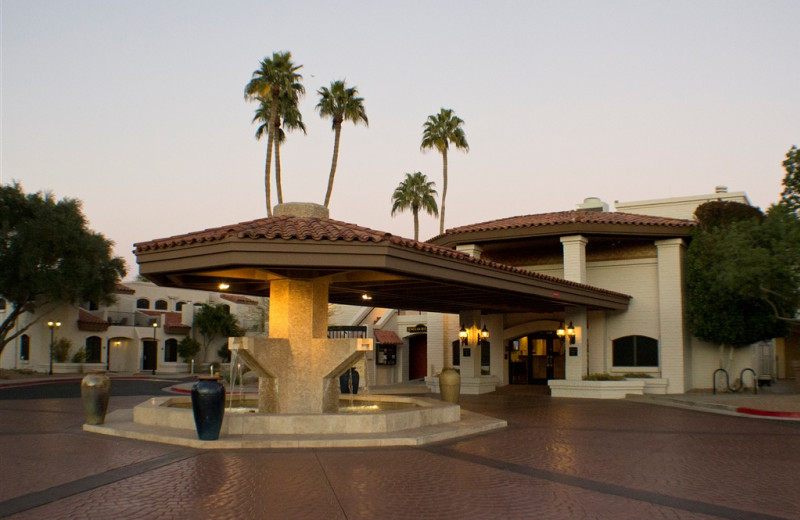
{"x":208,"y":407}
{"x":450,"y":385}
{"x":95,"y":389}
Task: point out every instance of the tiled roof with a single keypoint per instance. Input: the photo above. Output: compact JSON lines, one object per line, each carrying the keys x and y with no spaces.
{"x":235,"y":298}
{"x":123,"y":289}
{"x":89,"y":322}
{"x":318,"y":229}
{"x":572,"y":217}
{"x":387,"y":337}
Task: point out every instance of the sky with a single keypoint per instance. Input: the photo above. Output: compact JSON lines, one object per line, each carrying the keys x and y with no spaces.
{"x":137,"y":109}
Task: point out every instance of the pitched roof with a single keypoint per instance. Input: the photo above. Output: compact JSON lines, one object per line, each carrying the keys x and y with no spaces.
{"x":89,"y":322}
{"x":241,"y":300}
{"x":124,"y":289}
{"x":387,"y":337}
{"x":569,"y":221}
{"x":288,"y":246}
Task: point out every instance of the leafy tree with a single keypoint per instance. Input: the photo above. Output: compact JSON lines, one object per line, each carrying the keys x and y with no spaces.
{"x":213,"y":321}
{"x":274,"y":76}
{"x":791,"y":182}
{"x":415,"y":193}
{"x":439,"y":131}
{"x":48,"y":257}
{"x":340,"y":103}
{"x":289,"y":117}
{"x":188,"y":348}
{"x":743,"y":274}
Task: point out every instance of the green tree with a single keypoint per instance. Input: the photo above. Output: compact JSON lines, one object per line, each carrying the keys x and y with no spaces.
{"x":49,"y":257}
{"x":791,"y":182}
{"x":188,"y":348}
{"x":416,"y":193}
{"x":341,"y":103}
{"x":743,"y":274}
{"x":439,"y":131}
{"x":289,"y":117}
{"x":274,"y":76}
{"x":214,"y":321}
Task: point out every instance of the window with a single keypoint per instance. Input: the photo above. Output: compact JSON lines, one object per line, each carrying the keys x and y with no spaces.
{"x":92,"y":306}
{"x":93,"y":348}
{"x":486,"y":358}
{"x":25,"y":347}
{"x":142,"y":303}
{"x":635,"y":351}
{"x":161,"y":305}
{"x":386,"y":355}
{"x":171,"y":350}
{"x":457,"y":353}
{"x":179,"y":306}
{"x":2,"y":304}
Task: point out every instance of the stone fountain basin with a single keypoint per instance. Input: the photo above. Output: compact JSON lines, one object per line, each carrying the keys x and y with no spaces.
{"x":172,"y":412}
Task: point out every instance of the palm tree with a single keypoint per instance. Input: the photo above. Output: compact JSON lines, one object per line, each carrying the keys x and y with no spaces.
{"x":289,"y":117}
{"x":274,"y":76}
{"x":439,"y":131}
{"x":340,"y":103}
{"x":415,"y":192}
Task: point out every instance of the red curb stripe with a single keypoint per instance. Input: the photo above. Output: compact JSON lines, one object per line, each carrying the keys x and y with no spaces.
{"x":768,"y":413}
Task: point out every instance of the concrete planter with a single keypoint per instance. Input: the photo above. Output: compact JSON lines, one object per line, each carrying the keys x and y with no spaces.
{"x":596,"y":389}
{"x":450,"y":385}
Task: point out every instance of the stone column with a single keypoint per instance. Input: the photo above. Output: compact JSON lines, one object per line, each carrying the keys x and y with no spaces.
{"x":575,"y":271}
{"x":673,"y":345}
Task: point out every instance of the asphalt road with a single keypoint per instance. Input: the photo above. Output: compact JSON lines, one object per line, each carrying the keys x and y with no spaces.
{"x":72,"y":388}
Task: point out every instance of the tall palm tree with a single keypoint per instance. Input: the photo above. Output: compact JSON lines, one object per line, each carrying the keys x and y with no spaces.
{"x":416,"y":192}
{"x":289,"y":117}
{"x":439,"y":131}
{"x":340,"y":103}
{"x":274,"y":76}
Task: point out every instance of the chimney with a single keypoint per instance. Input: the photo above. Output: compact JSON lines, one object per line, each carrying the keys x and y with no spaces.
{"x":592,"y":204}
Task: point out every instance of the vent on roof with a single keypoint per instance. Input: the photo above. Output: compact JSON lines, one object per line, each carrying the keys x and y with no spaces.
{"x":721,"y":189}
{"x":592,"y":204}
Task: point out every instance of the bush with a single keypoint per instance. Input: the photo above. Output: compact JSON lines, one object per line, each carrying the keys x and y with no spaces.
{"x":639,"y":375}
{"x":224,"y":353}
{"x":79,"y":356}
{"x":603,"y":377}
{"x":61,"y":348}
{"x":188,"y":348}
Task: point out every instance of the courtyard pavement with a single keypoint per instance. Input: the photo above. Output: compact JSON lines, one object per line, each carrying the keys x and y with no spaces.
{"x":558,"y":458}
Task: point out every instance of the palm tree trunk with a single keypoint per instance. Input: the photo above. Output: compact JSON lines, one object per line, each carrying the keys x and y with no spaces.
{"x":444,"y":190}
{"x":278,"y":186}
{"x":337,"y":132}
{"x":416,"y":224}
{"x":273,"y":113}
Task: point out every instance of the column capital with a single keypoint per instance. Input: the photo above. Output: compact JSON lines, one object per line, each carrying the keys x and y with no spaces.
{"x":570,"y":239}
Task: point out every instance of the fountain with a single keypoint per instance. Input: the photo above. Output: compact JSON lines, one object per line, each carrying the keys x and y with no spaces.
{"x":298,"y":393}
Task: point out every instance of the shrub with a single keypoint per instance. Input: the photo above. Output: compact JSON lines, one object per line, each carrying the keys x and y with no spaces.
{"x":603,"y":377}
{"x":79,"y":356}
{"x":188,"y":348}
{"x":61,"y":348}
{"x":639,"y":375}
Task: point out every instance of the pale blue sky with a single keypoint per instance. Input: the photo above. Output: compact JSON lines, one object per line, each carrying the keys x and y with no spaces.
{"x":136,"y":107}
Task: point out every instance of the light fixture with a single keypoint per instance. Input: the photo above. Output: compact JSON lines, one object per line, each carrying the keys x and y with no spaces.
{"x":569,"y":332}
{"x":484,"y":333}
{"x":366,"y":297}
{"x":462,"y":334}
{"x":223,"y":286}
{"x":53,"y":326}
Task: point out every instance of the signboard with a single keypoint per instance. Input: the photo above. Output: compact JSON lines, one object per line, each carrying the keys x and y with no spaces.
{"x":417,"y":328}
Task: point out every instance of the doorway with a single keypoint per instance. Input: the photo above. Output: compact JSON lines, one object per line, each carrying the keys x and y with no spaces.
{"x":417,"y":357}
{"x":536,"y":358}
{"x":149,"y":354}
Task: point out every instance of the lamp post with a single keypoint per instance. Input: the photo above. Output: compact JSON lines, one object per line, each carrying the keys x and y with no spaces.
{"x":155,"y":326}
{"x":53,"y":326}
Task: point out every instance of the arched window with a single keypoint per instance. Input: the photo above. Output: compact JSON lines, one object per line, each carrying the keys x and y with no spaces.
{"x":142,"y":303}
{"x":2,"y":304}
{"x":171,"y":350}
{"x":179,"y":306}
{"x":635,"y":351}
{"x":25,"y":347}
{"x":161,"y":305}
{"x":93,"y":349}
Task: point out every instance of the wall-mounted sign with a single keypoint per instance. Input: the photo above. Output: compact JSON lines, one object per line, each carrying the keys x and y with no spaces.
{"x":573,"y":351}
{"x":417,"y":328}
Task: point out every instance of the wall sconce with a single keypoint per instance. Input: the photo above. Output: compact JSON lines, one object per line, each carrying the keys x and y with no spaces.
{"x":484,"y":333}
{"x":223,"y":286}
{"x":569,"y":332}
{"x":366,"y":297}
{"x":462,"y":334}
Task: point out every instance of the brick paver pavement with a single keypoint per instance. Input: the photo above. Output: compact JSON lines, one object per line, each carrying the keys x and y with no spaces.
{"x":558,"y":458}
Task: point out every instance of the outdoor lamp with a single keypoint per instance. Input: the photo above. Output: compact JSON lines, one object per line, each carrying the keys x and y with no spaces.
{"x":484,"y":332}
{"x":569,"y":332}
{"x":53,"y":326}
{"x":561,"y":331}
{"x":462,"y":334}
{"x":223,"y":286}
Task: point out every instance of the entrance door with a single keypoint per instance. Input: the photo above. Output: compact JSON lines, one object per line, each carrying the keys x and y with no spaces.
{"x":149,"y":354}
{"x":536,"y":358}
{"x":417,"y":357}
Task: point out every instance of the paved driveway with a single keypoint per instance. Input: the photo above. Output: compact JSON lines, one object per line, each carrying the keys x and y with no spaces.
{"x":558,"y":458}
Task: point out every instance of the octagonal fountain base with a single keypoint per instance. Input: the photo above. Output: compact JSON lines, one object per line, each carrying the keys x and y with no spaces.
{"x":421,"y":421}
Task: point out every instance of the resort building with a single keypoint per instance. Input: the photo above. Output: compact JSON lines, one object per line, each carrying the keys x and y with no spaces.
{"x":139,"y":332}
